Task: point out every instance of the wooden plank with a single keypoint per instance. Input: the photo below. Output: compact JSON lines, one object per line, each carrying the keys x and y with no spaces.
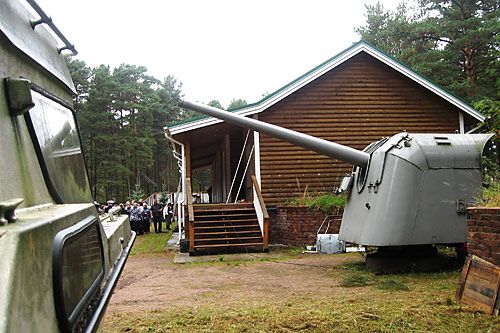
{"x":479,"y":285}
{"x":222,"y":218}
{"x":463,"y":276}
{"x":474,"y":303}
{"x":239,"y":226}
{"x":234,"y":211}
{"x":225,"y":232}
{"x":224,"y":212}
{"x":288,"y":183}
{"x":265,"y":239}
{"x":485,"y":271}
{"x":228,"y":238}
{"x":262,"y":204}
{"x":187,"y":151}
{"x":228,"y":245}
{"x":344,"y":124}
{"x":191,"y":236}
{"x":495,"y":307}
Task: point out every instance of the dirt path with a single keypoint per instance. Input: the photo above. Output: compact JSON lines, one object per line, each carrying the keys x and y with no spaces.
{"x":155,"y":282}
{"x":299,"y":293}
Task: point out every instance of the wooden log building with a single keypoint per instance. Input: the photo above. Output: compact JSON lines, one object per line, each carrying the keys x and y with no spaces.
{"x":354,"y":98}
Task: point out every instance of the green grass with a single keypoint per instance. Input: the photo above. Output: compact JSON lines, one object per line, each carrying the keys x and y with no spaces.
{"x":151,"y":243}
{"x":327,"y":203}
{"x":334,"y":314}
{"x":415,"y":302}
{"x":393,"y":284}
{"x":355,"y":280}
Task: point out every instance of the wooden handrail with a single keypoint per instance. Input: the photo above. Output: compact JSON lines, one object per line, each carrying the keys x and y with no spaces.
{"x":189,"y":200}
{"x":265,"y":214}
{"x":259,"y":197}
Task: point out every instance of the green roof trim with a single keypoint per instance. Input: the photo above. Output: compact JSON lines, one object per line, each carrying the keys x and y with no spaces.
{"x":429,"y":84}
{"x":187,"y":120}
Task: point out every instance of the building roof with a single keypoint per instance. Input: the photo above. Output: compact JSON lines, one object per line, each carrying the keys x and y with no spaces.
{"x":290,"y":88}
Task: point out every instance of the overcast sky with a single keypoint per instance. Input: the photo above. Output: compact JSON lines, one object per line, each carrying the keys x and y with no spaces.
{"x":218,"y":49}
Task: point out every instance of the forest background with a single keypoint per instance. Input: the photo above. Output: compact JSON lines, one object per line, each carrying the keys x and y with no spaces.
{"x":122,"y":111}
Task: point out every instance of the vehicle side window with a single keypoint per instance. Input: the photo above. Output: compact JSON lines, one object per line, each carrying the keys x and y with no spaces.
{"x":78,"y":263}
{"x":55,"y":134}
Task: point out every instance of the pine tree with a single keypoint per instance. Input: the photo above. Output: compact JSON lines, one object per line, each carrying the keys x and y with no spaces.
{"x":453,"y":42}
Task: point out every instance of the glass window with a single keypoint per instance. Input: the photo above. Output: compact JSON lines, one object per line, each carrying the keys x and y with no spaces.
{"x":57,"y":135}
{"x":78,"y":269}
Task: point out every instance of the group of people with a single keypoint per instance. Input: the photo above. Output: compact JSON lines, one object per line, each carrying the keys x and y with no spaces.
{"x":141,"y":215}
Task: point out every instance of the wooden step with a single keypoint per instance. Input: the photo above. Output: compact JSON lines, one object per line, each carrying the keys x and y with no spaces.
{"x":227,"y":245}
{"x":220,"y":228}
{"x":227,"y":232}
{"x":221,"y":204}
{"x":228,"y":226}
{"x":221,"y":207}
{"x":204,"y":215}
{"x":225,"y":213}
{"x":230,"y":234}
{"x":225,"y":239}
{"x":230,"y":230}
{"x":226,"y":221}
{"x":225,"y":217}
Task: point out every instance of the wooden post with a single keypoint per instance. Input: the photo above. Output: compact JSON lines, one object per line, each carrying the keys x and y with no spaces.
{"x":187,"y":147}
{"x":265,"y":239}
{"x":191,"y":236}
{"x":190,"y":214}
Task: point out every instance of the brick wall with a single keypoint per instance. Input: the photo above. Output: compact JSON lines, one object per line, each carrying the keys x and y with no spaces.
{"x":298,"y":226}
{"x":483,"y":233}
{"x":273,"y":227}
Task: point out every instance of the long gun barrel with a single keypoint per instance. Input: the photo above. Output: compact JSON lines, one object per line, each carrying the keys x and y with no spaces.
{"x":328,"y":148}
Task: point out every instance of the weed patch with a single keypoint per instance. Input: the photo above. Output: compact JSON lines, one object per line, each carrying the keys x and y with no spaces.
{"x":326,"y":203}
{"x":392,"y":285}
{"x":355,"y":266}
{"x":356,"y":280}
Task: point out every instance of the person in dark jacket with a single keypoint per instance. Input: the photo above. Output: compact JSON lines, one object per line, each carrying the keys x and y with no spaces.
{"x":156,"y":213}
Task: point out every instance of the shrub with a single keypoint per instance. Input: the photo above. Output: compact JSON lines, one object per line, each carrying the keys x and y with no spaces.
{"x":491,"y":182}
{"x":326,"y":203}
{"x":491,"y":196}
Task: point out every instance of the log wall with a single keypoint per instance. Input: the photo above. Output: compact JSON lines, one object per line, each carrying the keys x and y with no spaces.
{"x":354,"y":104}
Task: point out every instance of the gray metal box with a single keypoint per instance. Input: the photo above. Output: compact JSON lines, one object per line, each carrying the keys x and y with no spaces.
{"x":329,"y":243}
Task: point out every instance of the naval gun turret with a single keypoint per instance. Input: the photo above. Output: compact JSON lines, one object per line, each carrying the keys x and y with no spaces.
{"x":406,"y":190}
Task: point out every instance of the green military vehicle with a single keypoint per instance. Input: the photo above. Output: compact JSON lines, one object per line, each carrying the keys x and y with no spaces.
{"x":59,"y":259}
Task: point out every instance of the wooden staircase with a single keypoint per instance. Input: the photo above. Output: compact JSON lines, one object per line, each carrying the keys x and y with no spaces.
{"x":224,"y":228}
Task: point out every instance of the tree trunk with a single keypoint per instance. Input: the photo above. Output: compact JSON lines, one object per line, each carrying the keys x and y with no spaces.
{"x":469,"y":65}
